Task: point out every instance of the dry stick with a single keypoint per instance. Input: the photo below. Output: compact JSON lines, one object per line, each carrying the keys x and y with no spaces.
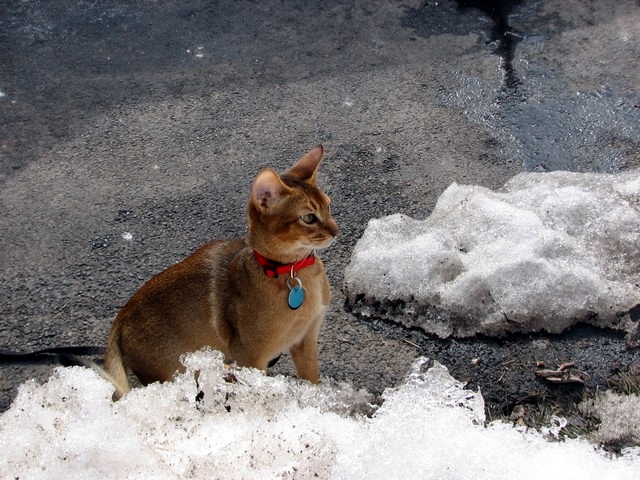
{"x":411,"y":343}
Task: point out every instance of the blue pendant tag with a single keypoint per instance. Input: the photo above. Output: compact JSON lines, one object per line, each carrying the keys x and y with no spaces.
{"x":296,"y":294}
{"x":296,"y":297}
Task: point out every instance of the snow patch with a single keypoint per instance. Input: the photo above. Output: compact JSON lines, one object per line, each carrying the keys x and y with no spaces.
{"x":619,"y":417}
{"x":546,"y":251}
{"x":240,"y":423}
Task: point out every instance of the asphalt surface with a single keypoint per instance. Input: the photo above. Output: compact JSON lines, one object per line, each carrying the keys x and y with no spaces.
{"x":130,"y":133}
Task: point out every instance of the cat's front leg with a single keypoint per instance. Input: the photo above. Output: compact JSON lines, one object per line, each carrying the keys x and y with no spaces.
{"x":305,"y":354}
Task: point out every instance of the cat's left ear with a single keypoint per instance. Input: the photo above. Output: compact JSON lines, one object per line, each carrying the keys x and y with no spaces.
{"x":307,"y":167}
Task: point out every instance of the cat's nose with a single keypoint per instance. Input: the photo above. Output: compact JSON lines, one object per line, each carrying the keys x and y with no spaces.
{"x":334,"y":230}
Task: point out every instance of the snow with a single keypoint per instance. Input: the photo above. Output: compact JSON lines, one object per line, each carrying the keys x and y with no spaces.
{"x":248,"y":425}
{"x":546,"y":251}
{"x":619,"y":417}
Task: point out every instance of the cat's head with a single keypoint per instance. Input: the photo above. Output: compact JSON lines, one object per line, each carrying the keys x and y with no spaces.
{"x":288,"y":215}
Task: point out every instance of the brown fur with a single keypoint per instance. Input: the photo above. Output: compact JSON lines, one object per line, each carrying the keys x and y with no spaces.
{"x":220,"y":296}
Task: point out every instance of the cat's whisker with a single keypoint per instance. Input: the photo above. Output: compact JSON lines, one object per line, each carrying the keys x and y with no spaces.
{"x":310,"y":251}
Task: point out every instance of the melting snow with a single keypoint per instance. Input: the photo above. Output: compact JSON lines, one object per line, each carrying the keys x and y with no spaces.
{"x":248,"y":425}
{"x":546,"y":251}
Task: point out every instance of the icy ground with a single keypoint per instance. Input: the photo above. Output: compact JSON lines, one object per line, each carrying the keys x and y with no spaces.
{"x":545,"y":252}
{"x":247,"y":425}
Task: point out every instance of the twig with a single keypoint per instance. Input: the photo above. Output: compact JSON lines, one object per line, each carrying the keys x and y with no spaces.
{"x":411,"y":343}
{"x":566,"y":365}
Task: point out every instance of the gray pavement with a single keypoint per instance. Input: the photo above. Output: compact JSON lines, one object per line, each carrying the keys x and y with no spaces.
{"x":130,"y":133}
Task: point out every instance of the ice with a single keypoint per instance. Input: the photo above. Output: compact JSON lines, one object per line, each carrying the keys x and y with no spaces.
{"x":546,"y":251}
{"x":248,"y":425}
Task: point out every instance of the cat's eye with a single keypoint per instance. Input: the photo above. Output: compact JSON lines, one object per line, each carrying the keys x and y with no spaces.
{"x":309,"y":218}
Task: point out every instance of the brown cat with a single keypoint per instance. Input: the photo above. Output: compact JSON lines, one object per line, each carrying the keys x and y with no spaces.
{"x":251,"y":299}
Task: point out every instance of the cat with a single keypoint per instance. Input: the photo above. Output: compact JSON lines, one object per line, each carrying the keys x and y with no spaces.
{"x":251,"y":299}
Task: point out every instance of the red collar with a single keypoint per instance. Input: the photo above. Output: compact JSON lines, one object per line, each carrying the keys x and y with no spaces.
{"x":273,"y":269}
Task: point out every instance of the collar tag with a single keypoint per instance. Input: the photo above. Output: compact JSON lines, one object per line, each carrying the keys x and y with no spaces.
{"x":296,"y":293}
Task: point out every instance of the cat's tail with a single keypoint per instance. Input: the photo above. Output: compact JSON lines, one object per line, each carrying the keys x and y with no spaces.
{"x":69,"y":360}
{"x":114,"y":370}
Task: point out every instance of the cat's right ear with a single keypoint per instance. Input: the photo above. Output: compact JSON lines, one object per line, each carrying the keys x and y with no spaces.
{"x":267,"y":187}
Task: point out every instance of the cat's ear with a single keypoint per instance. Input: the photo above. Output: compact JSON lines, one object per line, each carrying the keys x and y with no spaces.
{"x":307,"y":167}
{"x":267,"y":187}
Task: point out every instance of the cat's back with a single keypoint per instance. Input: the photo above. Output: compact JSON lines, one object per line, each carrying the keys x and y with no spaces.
{"x":187,"y":283}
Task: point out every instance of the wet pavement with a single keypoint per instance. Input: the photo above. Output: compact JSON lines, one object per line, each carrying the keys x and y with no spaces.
{"x":130,"y":133}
